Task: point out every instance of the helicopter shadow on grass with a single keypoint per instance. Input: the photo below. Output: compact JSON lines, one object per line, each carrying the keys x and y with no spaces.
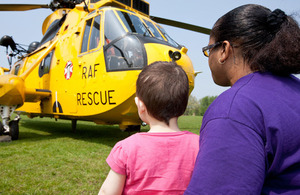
{"x":40,"y":129}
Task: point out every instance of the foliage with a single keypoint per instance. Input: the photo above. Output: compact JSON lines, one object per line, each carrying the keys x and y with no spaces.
{"x":198,"y":107}
{"x":205,"y":102}
{"x":49,"y":158}
{"x":193,"y":107}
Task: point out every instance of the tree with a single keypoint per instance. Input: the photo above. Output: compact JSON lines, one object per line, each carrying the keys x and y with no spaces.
{"x":205,"y":102}
{"x":193,"y":107}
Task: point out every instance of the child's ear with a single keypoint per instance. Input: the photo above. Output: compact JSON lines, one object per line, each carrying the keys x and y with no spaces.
{"x":136,"y":100}
{"x":140,"y":104}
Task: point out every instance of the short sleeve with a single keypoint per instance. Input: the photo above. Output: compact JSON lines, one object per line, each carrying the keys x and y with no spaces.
{"x":117,"y":159}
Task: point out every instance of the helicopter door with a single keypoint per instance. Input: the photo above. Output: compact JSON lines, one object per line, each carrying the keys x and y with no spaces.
{"x":91,"y":36}
{"x":91,"y":55}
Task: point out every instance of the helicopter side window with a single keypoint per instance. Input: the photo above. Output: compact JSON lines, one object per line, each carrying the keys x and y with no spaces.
{"x":154,"y":31}
{"x":45,"y":64}
{"x":91,"y":36}
{"x":85,"y":40}
{"x":52,"y":30}
{"x":17,"y":68}
{"x":133,"y":23}
{"x":95,"y":34}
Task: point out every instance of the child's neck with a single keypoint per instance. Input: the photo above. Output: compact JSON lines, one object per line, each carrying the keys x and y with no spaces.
{"x":160,"y":126}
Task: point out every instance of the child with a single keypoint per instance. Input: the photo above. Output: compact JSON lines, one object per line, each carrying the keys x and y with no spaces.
{"x":160,"y":161}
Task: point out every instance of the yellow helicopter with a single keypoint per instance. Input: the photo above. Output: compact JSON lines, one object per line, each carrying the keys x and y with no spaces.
{"x":86,"y":65}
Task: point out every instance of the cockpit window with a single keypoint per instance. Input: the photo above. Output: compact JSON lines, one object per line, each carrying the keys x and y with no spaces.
{"x":126,"y":53}
{"x":112,"y":27}
{"x":122,"y":52}
{"x":153,"y":30}
{"x":170,"y":40}
{"x":133,"y":23}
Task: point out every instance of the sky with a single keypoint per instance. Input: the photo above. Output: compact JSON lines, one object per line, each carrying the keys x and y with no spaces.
{"x":26,"y":27}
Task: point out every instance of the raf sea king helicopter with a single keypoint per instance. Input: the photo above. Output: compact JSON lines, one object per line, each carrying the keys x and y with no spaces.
{"x":86,"y":65}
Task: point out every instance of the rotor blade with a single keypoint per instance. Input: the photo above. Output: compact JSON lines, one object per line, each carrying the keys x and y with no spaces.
{"x":181,"y":25}
{"x":21,"y":7}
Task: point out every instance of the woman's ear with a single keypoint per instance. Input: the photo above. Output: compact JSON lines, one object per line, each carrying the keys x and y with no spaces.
{"x":225,"y":51}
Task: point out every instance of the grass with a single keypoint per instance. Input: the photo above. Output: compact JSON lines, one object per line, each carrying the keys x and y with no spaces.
{"x":49,"y":158}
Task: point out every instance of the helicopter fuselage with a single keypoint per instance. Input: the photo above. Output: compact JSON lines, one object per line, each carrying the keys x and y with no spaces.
{"x":87,"y":66}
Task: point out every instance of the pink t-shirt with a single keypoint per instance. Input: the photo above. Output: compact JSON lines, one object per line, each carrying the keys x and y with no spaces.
{"x":155,"y":163}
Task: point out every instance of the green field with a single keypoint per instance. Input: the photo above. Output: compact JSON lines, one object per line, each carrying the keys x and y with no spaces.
{"x":49,"y":158}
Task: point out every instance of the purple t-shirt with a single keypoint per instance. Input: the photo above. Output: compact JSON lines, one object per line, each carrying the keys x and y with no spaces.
{"x":250,"y":139}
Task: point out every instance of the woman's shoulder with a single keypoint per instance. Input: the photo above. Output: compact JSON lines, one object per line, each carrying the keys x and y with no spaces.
{"x":234,"y":102}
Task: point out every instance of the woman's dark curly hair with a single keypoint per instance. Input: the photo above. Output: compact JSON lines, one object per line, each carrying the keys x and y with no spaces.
{"x":269,"y":41}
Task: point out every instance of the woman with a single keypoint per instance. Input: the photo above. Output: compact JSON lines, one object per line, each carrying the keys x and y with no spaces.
{"x":250,"y":135}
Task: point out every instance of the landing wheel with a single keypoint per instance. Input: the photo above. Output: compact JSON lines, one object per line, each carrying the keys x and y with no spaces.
{"x":74,"y":124}
{"x":133,"y":128}
{"x":1,"y":128}
{"x":14,"y":129}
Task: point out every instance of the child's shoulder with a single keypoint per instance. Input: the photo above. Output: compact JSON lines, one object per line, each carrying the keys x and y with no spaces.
{"x":192,"y":134}
{"x":192,"y":137}
{"x":126,"y":144}
{"x":143,"y":136}
{"x":131,"y":139}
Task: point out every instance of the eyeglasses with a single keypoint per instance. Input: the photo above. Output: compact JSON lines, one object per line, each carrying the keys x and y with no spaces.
{"x":206,"y":50}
